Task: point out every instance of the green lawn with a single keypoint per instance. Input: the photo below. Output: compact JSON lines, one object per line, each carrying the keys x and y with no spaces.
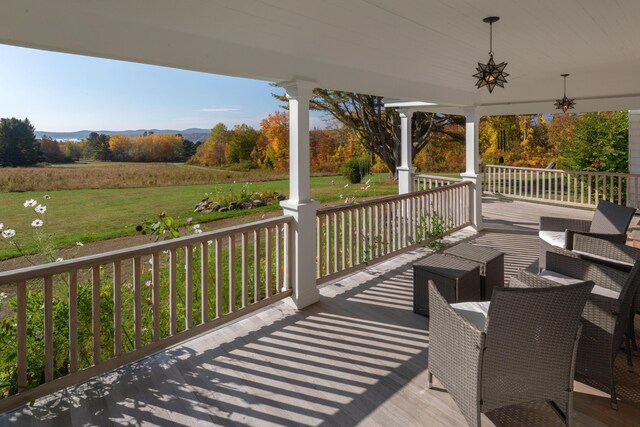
{"x":97,"y":214}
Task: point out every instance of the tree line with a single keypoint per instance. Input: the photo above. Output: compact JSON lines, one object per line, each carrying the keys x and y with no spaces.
{"x":361,"y":128}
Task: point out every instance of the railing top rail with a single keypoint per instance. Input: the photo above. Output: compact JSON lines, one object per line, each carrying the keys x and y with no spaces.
{"x":441,"y":178}
{"x":387,"y":199}
{"x":592,"y":173}
{"x":89,"y":261}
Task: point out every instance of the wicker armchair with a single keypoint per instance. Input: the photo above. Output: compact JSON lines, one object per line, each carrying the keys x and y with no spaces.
{"x":618,"y":256}
{"x":606,"y":317}
{"x":610,"y":222}
{"x":518,"y":348}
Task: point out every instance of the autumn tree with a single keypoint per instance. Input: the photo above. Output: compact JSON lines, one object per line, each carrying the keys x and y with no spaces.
{"x":18,"y":144}
{"x":241,"y":143}
{"x":272,"y":147}
{"x":377,"y":128}
{"x":213,"y":151}
{"x":72,"y":149}
{"x":51,"y":152}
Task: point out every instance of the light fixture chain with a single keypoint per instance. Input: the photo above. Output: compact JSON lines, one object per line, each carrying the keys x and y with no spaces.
{"x":490,"y":38}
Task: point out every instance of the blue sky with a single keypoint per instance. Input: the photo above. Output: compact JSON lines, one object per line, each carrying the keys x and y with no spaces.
{"x":60,"y":92}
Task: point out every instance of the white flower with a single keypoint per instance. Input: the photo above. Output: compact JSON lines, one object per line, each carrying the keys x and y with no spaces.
{"x":8,"y":233}
{"x":39,"y":335}
{"x":59,"y":259}
{"x":37,"y":223}
{"x":30,"y":203}
{"x":79,"y":244}
{"x":3,"y":296}
{"x":341,"y":196}
{"x":209,"y":242}
{"x":197,"y":231}
{"x":41,"y":209}
{"x":196,"y":227}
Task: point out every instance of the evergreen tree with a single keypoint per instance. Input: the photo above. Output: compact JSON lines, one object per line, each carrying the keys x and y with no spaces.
{"x":18,"y":144}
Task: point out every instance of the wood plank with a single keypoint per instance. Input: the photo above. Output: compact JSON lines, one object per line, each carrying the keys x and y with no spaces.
{"x":173,"y":293}
{"x":188,"y":279}
{"x":204,"y":282}
{"x":73,"y":321}
{"x":155,"y":295}
{"x":95,"y":312}
{"x":48,"y":329}
{"x":117,"y":308}
{"x":137,"y":306}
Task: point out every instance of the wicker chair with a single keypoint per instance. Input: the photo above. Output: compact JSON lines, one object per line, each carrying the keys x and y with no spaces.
{"x":610,"y":222}
{"x":606,"y":317}
{"x":518,"y":348}
{"x":618,"y":256}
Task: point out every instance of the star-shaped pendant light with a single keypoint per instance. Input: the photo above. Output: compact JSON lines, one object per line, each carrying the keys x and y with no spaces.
{"x":565,"y":103}
{"x":490,"y":74}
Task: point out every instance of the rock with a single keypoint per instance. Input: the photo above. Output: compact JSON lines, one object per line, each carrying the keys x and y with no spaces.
{"x":223,"y":209}
{"x":215,"y":207}
{"x":258,"y":203}
{"x":233,"y":206}
{"x":246,"y":205}
{"x":202,"y":205}
{"x":280,"y":197}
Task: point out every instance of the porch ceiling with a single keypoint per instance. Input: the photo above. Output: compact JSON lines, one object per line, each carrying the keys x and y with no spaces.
{"x":408,"y":49}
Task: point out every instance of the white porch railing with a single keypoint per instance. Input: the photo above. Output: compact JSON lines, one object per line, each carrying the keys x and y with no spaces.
{"x":81,"y":317}
{"x":350,"y":236}
{"x":573,"y":188}
{"x":427,"y":182}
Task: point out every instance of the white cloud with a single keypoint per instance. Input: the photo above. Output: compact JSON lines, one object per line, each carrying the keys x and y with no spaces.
{"x":220,"y":109}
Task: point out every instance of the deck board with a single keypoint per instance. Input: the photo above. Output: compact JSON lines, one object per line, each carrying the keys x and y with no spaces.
{"x":358,"y":356}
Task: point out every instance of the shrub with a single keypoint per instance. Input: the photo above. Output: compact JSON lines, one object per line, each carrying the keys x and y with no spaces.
{"x":354,"y":169}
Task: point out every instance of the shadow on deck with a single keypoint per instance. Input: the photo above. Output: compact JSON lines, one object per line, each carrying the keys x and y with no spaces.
{"x":359,"y":356}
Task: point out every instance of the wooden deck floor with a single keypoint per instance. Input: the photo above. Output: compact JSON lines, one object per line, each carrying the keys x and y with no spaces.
{"x":357,"y":357}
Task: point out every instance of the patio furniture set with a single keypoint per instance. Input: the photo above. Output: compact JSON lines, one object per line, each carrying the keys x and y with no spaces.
{"x":495,"y":343}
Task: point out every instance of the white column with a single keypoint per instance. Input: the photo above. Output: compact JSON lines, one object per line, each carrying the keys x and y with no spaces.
{"x":405,"y":170}
{"x":299,"y":205}
{"x":473,"y":173}
{"x":634,"y":157}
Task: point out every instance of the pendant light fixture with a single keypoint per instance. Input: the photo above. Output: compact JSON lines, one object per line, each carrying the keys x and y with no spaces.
{"x":565,"y":103}
{"x":490,"y":74}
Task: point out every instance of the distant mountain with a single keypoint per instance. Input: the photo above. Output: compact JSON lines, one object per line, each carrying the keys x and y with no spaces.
{"x":192,"y":134}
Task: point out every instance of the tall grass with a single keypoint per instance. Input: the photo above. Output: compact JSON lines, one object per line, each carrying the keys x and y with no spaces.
{"x":119,"y":175}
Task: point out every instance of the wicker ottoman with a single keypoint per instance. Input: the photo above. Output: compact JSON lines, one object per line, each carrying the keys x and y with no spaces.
{"x":491,"y":262}
{"x":458,"y":280}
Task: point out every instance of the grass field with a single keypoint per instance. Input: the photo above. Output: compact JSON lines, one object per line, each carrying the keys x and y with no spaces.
{"x":120,"y":175}
{"x":86,"y":215}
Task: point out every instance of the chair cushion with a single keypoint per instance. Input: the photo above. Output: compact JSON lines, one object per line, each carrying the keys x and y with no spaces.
{"x":561,"y":279}
{"x":554,"y":238}
{"x":611,"y":218}
{"x":610,"y":261}
{"x":474,"y":312}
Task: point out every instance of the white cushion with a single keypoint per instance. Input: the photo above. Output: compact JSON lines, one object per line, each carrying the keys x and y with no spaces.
{"x":474,"y":312}
{"x":567,"y":280}
{"x":554,"y":238}
{"x":559,"y":278}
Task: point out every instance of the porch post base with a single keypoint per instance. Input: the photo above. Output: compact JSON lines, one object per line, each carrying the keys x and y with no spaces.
{"x":405,"y":179}
{"x":475,"y":198}
{"x":303,"y":263}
